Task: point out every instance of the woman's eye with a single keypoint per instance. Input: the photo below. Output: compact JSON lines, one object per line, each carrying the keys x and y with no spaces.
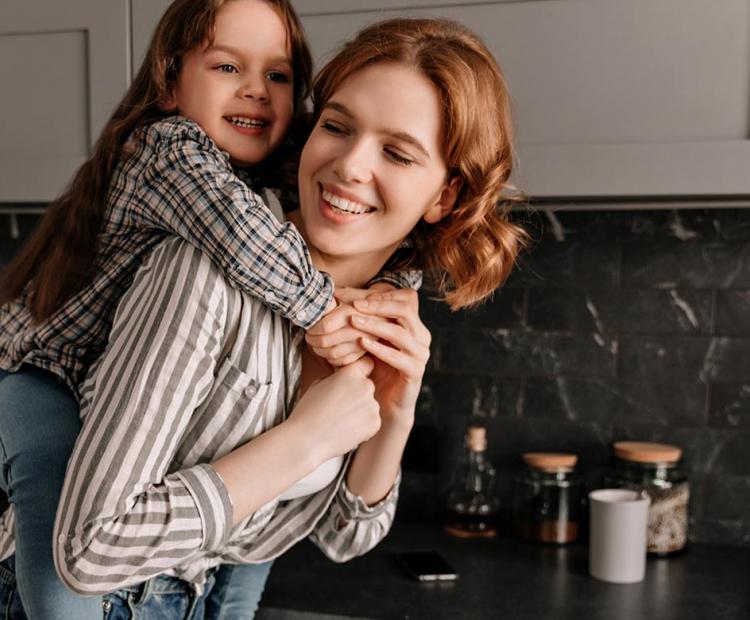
{"x":226,"y":68}
{"x":332,"y":128}
{"x":279,"y":76}
{"x":399,"y":159}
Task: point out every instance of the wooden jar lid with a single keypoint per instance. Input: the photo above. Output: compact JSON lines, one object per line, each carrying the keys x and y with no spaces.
{"x":550,"y":461}
{"x":476,"y":438}
{"x":647,"y":452}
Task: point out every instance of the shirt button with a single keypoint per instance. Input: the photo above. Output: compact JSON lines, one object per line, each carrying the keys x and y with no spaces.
{"x":251,"y":390}
{"x":61,"y":539}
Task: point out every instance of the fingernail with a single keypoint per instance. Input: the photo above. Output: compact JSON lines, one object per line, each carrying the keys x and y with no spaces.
{"x":367,"y":342}
{"x":359,"y":320}
{"x":363,"y":303}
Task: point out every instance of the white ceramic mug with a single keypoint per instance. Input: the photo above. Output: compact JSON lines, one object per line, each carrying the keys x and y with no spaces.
{"x":617,"y":545}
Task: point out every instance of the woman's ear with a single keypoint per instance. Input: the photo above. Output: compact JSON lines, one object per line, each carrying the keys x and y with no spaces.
{"x":445,"y":202}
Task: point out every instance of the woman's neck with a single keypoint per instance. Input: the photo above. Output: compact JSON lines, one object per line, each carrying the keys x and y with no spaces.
{"x":346,"y":271}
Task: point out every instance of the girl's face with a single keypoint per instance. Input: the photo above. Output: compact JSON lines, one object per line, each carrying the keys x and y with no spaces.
{"x":240,"y":89}
{"x":371,"y":169}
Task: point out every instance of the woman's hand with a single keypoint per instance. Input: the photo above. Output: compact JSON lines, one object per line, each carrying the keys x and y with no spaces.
{"x":333,"y":338}
{"x":399,"y":343}
{"x":339,"y":412}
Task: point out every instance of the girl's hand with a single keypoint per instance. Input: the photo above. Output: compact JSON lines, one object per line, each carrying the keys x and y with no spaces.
{"x":339,"y":412}
{"x":400,"y":344}
{"x":333,"y":337}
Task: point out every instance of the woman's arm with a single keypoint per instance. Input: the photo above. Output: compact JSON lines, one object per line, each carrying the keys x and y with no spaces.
{"x":128,"y":511}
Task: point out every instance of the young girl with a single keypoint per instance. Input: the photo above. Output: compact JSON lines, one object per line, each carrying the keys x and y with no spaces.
{"x":197,"y":448}
{"x":221,"y":85}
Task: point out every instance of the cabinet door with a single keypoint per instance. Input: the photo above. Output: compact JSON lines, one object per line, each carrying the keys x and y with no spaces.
{"x":63,"y":67}
{"x":614,"y":99}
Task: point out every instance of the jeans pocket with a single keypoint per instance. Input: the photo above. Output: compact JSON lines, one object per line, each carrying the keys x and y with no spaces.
{"x":10,"y":602}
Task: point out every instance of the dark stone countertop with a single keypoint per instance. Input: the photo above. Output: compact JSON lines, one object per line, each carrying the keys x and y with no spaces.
{"x":508,"y":578}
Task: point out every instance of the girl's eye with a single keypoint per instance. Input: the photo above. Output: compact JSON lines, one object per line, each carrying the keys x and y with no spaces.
{"x":399,"y":159}
{"x":332,"y":128}
{"x":279,"y":76}
{"x":227,"y":68}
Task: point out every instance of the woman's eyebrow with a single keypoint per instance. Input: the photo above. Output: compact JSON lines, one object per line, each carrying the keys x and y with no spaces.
{"x":399,"y":135}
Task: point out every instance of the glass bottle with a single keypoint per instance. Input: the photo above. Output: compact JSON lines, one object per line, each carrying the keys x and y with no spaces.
{"x":472,"y":508}
{"x":547,"y":498}
{"x":657,"y":469}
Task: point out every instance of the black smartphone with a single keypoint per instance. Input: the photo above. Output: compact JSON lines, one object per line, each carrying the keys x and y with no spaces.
{"x":427,"y":566}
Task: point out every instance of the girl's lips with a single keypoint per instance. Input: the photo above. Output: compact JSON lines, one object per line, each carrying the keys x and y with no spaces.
{"x":248,"y":131}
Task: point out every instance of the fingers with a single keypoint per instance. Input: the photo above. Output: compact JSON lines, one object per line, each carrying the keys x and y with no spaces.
{"x":347,"y":295}
{"x":363,"y":365}
{"x":399,"y":307}
{"x":342,"y":354}
{"x":336,"y":319}
{"x":411,"y":366}
{"x":396,"y":335}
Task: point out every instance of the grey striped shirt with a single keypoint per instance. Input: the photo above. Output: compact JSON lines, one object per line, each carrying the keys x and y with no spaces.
{"x":193,"y":369}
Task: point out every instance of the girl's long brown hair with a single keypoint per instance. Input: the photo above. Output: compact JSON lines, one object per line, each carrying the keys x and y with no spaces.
{"x":59,"y":257}
{"x":472,"y":250}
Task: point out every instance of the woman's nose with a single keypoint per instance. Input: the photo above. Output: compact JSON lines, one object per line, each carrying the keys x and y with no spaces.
{"x":355,"y":164}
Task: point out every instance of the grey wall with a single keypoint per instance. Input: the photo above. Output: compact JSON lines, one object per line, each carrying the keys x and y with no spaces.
{"x":625,"y":325}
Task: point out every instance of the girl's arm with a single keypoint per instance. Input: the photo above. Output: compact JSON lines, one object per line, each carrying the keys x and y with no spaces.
{"x":191,"y":190}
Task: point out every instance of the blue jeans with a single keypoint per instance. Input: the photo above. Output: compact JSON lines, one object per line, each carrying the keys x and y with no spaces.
{"x":169,"y":598}
{"x":39,"y":423}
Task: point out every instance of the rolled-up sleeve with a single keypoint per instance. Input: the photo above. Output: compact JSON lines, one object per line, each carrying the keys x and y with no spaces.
{"x":124,"y":516}
{"x":191,"y":190}
{"x":350,"y":527}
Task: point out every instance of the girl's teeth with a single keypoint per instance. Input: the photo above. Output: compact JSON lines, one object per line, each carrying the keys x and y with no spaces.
{"x":245,"y":122}
{"x":344,"y":205}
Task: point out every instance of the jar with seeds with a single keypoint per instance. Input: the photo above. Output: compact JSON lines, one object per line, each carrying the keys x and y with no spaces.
{"x":657,"y":469}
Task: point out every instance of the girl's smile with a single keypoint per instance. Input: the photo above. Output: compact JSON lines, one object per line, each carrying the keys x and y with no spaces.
{"x":239,"y":89}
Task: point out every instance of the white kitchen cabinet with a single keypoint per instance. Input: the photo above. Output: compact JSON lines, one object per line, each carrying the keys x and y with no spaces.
{"x":615,"y":100}
{"x":63,"y":67}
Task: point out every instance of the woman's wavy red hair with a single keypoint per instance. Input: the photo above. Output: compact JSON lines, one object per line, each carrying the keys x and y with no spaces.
{"x":472,"y":250}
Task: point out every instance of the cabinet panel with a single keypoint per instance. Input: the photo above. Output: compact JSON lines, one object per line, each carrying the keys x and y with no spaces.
{"x":613,"y":98}
{"x":67,"y":65}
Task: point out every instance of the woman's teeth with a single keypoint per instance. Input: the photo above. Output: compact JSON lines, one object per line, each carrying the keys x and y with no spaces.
{"x":241,"y":121}
{"x":344,"y":205}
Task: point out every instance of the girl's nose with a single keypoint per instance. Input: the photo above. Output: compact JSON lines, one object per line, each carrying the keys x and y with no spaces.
{"x":254,"y":88}
{"x":355,"y":164}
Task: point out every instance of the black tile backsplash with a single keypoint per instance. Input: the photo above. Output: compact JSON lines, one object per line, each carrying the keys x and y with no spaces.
{"x":616,"y":325}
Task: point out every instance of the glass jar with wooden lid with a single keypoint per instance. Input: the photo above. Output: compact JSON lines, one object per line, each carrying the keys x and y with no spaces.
{"x":656,"y":468}
{"x":547,"y":498}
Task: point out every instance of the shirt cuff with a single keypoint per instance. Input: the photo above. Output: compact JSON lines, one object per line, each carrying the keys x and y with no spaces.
{"x":312,"y":304}
{"x":212,"y":501}
{"x":411,"y":278}
{"x":353,"y":507}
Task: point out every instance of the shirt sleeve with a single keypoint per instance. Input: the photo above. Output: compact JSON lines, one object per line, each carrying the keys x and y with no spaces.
{"x":350,"y":527}
{"x":124,"y":516}
{"x":191,"y":190}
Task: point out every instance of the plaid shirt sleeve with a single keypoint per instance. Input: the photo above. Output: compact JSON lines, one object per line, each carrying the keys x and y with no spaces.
{"x":190,"y":189}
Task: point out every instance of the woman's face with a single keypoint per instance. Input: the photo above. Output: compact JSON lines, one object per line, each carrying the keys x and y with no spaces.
{"x":372,"y":168}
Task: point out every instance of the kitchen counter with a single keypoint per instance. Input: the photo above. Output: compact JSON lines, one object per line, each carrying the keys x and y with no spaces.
{"x":505,"y":578}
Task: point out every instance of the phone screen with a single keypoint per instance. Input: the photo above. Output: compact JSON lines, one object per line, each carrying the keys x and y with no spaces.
{"x":427,"y":566}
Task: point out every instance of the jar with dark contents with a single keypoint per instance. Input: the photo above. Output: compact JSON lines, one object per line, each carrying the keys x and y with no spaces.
{"x":657,"y":469}
{"x":547,"y":498}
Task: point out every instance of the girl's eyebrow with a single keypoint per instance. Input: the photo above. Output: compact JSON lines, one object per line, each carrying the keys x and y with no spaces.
{"x":233,"y":51}
{"x":399,"y":135}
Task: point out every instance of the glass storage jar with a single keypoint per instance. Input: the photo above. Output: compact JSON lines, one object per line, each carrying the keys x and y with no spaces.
{"x":547,"y":498}
{"x":657,"y":469}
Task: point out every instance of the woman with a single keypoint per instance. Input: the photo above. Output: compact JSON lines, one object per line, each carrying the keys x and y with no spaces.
{"x":211,"y":433}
